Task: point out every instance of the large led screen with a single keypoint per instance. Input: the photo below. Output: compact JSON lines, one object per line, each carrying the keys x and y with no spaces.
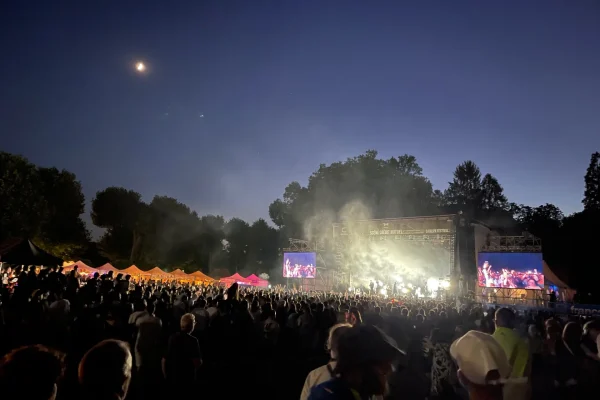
{"x":510,"y":270}
{"x":299,"y":265}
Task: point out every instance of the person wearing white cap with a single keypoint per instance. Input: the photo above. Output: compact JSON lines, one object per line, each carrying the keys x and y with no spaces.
{"x":483,"y":367}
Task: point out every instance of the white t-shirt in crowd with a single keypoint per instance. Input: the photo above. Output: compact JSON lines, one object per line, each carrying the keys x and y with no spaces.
{"x":316,"y":377}
{"x":147,"y":351}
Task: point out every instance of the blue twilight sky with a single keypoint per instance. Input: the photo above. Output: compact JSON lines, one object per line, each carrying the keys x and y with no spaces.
{"x":242,"y":97}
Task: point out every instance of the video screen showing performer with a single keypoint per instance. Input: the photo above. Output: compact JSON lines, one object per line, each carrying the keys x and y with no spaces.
{"x":511,"y":270}
{"x":299,"y":265}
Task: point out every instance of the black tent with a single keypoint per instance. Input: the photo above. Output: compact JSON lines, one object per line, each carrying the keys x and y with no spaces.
{"x":24,"y":252}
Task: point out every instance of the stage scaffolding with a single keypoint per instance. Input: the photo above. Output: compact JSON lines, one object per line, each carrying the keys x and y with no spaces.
{"x":438,"y":230}
{"x":527,"y":243}
{"x":324,"y":279}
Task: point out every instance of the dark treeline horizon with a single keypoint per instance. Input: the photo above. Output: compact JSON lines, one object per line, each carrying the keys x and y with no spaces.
{"x":46,"y":205}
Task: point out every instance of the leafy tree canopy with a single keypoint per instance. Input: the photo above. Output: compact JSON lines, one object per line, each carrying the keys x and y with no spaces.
{"x":43,"y":204}
{"x":383,"y":188}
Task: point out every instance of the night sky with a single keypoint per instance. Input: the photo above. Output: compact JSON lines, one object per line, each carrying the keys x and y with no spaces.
{"x":241,"y":98}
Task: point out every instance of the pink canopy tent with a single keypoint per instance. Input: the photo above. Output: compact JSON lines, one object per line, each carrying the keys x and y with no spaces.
{"x":106,"y":268}
{"x":256,"y":281}
{"x":81,"y":267}
{"x":230,"y":280}
{"x":134,"y":271}
{"x":199,"y":276}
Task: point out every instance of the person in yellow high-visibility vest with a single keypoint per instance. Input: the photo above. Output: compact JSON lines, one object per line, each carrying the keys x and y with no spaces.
{"x":517,"y":352}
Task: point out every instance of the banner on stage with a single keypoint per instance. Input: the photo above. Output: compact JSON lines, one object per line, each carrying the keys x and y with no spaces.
{"x":585,"y":309}
{"x":407,"y":232}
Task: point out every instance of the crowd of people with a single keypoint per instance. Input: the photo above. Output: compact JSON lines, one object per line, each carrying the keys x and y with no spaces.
{"x":103,"y":337}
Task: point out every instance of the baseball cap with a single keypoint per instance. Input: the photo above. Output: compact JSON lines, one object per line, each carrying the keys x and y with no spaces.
{"x":478,"y":353}
{"x":364,"y":344}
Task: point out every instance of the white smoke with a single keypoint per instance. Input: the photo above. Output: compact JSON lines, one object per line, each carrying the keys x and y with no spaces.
{"x":368,"y":258}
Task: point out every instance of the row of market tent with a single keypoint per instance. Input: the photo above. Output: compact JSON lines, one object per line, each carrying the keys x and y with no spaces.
{"x":20,"y":251}
{"x":176,"y":275}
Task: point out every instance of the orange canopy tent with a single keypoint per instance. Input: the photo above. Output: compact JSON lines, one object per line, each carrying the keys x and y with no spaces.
{"x":199,"y":276}
{"x":256,"y":281}
{"x":178,"y":272}
{"x":134,"y":271}
{"x":179,"y":275}
{"x":159,"y":273}
{"x":81,"y":267}
{"x":230,"y":280}
{"x":107,"y":268}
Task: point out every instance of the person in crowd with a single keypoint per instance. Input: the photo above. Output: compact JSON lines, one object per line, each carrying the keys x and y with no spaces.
{"x":271,"y":328}
{"x":443,"y":373}
{"x":31,"y":373}
{"x":325,"y":372}
{"x":148,"y":350}
{"x":201,"y":315}
{"x":517,"y":352}
{"x":570,"y":357}
{"x":354,"y":317}
{"x":483,"y":367}
{"x":271,"y":363}
{"x":183,"y":357}
{"x":591,"y":329}
{"x":139,"y":312}
{"x":365,"y":360}
{"x":105,"y":371}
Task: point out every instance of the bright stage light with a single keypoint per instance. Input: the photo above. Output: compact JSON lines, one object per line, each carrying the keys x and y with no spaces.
{"x":140,"y":66}
{"x":404,"y":290}
{"x":445,"y":284}
{"x":383,"y":292}
{"x":433,"y":284}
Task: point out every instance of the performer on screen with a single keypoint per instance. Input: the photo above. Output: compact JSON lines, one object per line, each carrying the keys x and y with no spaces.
{"x":287,"y":268}
{"x":487,"y":274}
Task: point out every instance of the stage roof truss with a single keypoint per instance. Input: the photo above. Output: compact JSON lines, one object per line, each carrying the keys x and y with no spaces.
{"x":513,"y":244}
{"x":438,"y":230}
{"x":303,"y":246}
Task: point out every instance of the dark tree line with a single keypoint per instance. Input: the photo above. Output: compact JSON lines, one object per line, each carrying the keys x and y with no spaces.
{"x":46,"y":205}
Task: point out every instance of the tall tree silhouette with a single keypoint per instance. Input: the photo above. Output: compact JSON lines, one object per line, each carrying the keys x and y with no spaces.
{"x":492,"y":194}
{"x":465,"y":191}
{"x":591,"y":197}
{"x":123,"y":213}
